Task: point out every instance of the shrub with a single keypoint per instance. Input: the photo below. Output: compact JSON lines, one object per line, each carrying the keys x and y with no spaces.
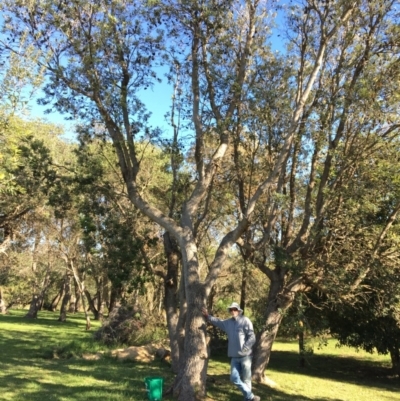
{"x":130,"y":326}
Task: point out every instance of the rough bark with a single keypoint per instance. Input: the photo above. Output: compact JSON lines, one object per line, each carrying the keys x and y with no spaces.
{"x":171,"y":297}
{"x":190,"y":384}
{"x":279,"y":300}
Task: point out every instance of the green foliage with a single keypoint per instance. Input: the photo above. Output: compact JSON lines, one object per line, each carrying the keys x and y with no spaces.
{"x":113,"y":233}
{"x":130,"y":326}
{"x":372,"y":322}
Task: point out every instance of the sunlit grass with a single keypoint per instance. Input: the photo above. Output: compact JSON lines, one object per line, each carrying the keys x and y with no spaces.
{"x":40,"y":360}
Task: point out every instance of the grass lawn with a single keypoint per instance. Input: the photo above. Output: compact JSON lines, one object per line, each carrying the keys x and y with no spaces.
{"x":30,"y":372}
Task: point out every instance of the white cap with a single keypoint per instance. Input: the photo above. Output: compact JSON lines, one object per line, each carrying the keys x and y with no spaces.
{"x":234,"y":305}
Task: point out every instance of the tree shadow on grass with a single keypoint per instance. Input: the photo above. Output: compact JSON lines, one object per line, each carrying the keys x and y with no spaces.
{"x":339,"y":368}
{"x":342,"y":369}
{"x":30,"y":370}
{"x":220,"y":388}
{"x":26,"y":375}
{"x":105,"y":379}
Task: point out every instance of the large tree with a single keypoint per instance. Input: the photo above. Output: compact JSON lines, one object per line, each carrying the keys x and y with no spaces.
{"x":98,"y":54}
{"x":313,"y":231}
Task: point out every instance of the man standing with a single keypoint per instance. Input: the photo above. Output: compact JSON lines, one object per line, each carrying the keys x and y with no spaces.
{"x":241,"y":339}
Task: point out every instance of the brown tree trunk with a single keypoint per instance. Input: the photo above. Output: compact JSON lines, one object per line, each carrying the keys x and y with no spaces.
{"x":170,"y":298}
{"x":114,"y":299}
{"x":395,"y":357}
{"x":34,"y":307}
{"x":190,"y":384}
{"x":91,"y":305}
{"x":279,"y":300}
{"x":66,"y":298}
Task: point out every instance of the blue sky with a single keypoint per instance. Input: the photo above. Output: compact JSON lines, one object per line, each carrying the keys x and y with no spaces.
{"x":156,"y":98}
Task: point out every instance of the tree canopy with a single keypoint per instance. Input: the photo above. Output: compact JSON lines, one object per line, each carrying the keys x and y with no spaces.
{"x":286,"y":157}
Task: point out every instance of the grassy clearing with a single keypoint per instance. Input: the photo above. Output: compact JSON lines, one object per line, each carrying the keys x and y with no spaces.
{"x":29,"y":371}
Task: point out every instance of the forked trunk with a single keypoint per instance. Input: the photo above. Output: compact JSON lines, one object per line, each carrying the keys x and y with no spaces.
{"x":279,"y":300}
{"x":54,"y":303}
{"x":38,"y":297}
{"x":92,"y":306}
{"x":80,"y":283}
{"x":34,"y":308}
{"x":66,"y":299}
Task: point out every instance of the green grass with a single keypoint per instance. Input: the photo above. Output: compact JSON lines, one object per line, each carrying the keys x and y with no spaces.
{"x":36,"y":364}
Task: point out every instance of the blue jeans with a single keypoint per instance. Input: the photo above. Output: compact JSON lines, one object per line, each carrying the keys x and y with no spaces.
{"x":241,"y":375}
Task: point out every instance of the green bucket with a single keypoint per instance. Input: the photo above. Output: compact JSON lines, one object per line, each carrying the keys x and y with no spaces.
{"x":154,"y":387}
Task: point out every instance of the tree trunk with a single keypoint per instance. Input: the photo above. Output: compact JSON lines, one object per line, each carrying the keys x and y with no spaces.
{"x":66,"y":299}
{"x":170,"y":297}
{"x":100,"y":298}
{"x":114,"y":298}
{"x":54,"y":303}
{"x":279,"y":300}
{"x":395,"y":357}
{"x":80,"y":284}
{"x":34,"y":307}
{"x":91,"y":305}
{"x":87,"y":317}
{"x":38,"y":297}
{"x":302,"y":351}
{"x":77,"y":298}
{"x":3,"y":307}
{"x":190,"y":384}
{"x":72,"y":301}
{"x":243,"y":293}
